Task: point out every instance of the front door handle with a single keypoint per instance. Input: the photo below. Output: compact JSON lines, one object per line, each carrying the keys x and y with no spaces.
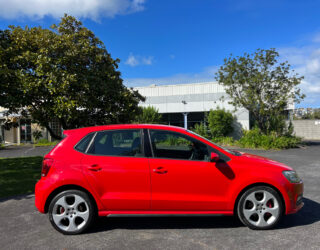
{"x":160,"y":170}
{"x":94,"y":167}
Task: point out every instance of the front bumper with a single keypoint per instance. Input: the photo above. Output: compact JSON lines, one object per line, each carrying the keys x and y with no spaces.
{"x":295,"y":195}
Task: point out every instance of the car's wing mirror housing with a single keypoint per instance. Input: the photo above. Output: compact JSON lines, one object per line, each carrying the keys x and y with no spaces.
{"x":214,"y":157}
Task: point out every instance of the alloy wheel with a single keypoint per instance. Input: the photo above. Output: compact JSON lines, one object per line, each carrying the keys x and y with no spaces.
{"x":70,"y":213}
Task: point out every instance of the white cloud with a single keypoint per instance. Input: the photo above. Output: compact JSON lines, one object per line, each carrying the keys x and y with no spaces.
{"x":93,"y":9}
{"x":316,"y":38}
{"x":132,"y":60}
{"x":135,"y":60}
{"x":306,"y":62}
{"x":206,"y":75}
{"x":147,"y":60}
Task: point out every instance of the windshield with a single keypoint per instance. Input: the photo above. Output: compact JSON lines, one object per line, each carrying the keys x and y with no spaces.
{"x":233,"y":152}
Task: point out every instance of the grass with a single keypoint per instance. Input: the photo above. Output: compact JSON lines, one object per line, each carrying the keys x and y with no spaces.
{"x":19,"y":175}
{"x":44,"y":142}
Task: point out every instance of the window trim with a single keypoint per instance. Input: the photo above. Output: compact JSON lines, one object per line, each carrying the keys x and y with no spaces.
{"x":146,"y":143}
{"x":188,"y":136}
{"x":90,"y":143}
{"x":150,"y":144}
{"x":107,"y":130}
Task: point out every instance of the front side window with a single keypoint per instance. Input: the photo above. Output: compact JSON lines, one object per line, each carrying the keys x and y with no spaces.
{"x":172,"y":145}
{"x":117,"y":143}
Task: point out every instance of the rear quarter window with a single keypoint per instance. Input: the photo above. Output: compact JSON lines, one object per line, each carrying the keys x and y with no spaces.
{"x":84,"y":143}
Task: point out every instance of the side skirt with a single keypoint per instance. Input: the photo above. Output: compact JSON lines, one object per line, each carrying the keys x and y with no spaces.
{"x":109,"y":213}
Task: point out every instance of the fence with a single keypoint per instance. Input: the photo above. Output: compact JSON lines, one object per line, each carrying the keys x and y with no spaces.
{"x":308,"y":129}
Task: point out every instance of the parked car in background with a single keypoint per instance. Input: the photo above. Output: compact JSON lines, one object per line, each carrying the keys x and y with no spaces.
{"x":157,"y":169}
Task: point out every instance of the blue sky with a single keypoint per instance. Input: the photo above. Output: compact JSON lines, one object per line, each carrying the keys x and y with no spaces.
{"x":176,"y":41}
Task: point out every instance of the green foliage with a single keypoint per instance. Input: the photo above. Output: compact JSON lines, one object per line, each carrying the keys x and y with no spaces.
{"x":149,"y":115}
{"x":225,"y":141}
{"x":201,"y":129}
{"x":220,"y":122}
{"x":37,"y":134}
{"x":262,"y":85}
{"x":45,"y":142}
{"x":19,"y":175}
{"x":64,"y":72}
{"x":290,"y":129}
{"x":314,"y":115}
{"x":255,"y":139}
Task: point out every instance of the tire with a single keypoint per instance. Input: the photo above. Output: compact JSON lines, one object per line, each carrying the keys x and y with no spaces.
{"x":260,"y":208}
{"x":71,"y":212}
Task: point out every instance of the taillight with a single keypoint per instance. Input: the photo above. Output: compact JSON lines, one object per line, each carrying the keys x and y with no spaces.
{"x":46,"y":165}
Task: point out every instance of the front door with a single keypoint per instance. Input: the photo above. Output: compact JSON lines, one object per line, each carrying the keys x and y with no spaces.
{"x":182,"y":176}
{"x":117,"y":170}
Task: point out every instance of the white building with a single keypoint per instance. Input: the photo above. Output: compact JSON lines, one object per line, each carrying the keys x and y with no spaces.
{"x":186,"y":104}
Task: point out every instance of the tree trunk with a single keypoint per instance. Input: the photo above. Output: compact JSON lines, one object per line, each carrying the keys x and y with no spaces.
{"x":52,"y":133}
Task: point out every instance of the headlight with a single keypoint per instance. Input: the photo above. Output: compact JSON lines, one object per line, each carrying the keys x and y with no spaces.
{"x":292,"y":176}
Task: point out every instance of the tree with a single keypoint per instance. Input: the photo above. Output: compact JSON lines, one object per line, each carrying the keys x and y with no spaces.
{"x":149,"y":115}
{"x":66,"y":73}
{"x":316,"y":114}
{"x":262,"y":85}
{"x":220,"y":122}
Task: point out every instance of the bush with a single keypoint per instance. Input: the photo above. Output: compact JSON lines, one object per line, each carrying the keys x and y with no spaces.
{"x":255,"y":139}
{"x":220,"y":122}
{"x":37,"y":134}
{"x":225,"y":141}
{"x":201,"y":129}
{"x":149,"y":115}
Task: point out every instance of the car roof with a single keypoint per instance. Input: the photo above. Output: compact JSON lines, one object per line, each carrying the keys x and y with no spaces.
{"x":86,"y":130}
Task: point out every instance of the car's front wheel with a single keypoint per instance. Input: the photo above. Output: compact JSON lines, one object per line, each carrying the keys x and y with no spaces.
{"x":71,"y":212}
{"x":260,"y":207}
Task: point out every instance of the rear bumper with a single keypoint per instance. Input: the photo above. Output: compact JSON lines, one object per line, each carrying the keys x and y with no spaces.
{"x":41,"y":195}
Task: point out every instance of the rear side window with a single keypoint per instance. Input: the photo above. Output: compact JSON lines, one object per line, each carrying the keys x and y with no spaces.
{"x":117,"y":143}
{"x":84,"y":143}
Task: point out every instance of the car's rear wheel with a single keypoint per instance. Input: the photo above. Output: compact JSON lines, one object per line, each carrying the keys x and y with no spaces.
{"x":71,"y":212}
{"x":260,"y":207}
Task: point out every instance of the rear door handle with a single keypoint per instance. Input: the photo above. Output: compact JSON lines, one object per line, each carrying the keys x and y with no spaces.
{"x":94,"y":167}
{"x":160,"y":170}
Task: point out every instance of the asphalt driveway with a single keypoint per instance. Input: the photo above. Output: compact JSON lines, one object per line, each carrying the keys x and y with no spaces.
{"x":21,"y":226}
{"x":24,"y":151}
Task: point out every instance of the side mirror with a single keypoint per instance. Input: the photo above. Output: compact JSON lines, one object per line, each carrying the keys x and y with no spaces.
{"x":214,"y":157}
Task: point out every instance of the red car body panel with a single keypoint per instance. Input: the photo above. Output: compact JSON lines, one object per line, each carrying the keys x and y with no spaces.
{"x":131,"y":185}
{"x":123,"y":183}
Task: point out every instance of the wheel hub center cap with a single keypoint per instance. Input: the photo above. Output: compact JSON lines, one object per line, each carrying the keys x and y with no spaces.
{"x":259,"y":207}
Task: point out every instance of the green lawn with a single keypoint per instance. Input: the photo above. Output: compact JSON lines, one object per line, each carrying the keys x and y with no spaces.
{"x":43,"y":142}
{"x":19,"y":175}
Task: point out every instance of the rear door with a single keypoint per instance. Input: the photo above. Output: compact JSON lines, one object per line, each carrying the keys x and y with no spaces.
{"x":116,"y":167}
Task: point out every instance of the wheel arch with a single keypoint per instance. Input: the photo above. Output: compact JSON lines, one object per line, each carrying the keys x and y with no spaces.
{"x":255,"y":185}
{"x":68,"y":187}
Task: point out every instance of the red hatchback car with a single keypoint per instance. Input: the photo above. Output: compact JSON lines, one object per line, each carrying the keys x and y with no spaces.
{"x":156,"y":169}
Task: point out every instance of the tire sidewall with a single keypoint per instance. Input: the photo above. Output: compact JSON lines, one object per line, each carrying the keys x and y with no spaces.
{"x":241,"y":204}
{"x":90,"y":207}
